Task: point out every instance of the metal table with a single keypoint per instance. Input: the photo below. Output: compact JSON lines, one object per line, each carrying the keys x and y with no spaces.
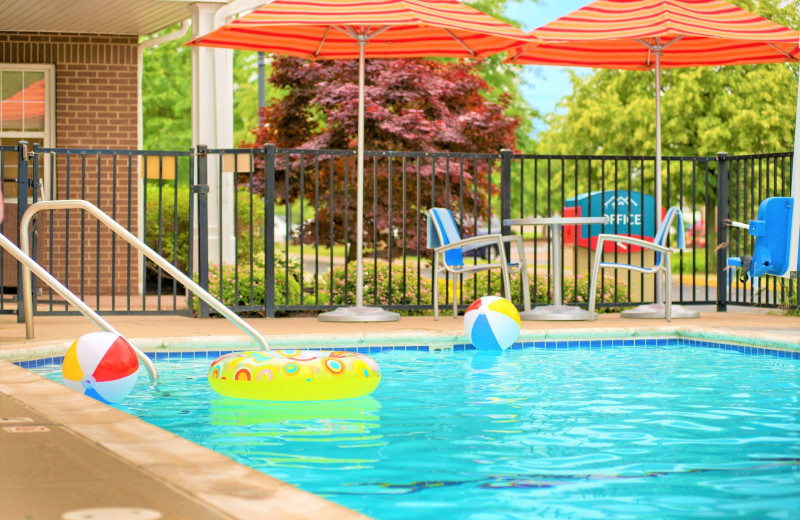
{"x":557,"y":311}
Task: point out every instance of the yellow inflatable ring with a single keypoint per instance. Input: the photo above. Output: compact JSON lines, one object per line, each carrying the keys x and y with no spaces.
{"x":294,"y":375}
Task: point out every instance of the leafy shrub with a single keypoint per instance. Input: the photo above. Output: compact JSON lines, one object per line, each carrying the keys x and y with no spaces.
{"x":473,"y":289}
{"x":385,"y":294}
{"x":789,"y":305}
{"x":608,"y":289}
{"x":166,"y":225}
{"x":477,"y":285}
{"x":232,"y":294}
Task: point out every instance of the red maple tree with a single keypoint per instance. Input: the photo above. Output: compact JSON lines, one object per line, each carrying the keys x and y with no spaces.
{"x":414,"y":105}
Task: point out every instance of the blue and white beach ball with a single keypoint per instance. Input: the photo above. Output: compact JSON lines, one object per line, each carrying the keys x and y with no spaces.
{"x":102,"y":365}
{"x":492,"y":323}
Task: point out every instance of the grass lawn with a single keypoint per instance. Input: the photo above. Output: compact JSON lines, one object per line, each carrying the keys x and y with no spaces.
{"x":691,"y":258}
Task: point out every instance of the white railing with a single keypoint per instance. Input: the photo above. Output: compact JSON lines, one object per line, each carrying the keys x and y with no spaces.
{"x":133,"y":241}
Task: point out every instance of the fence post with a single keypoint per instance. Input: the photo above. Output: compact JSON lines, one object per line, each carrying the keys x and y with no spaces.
{"x":22,"y":205}
{"x":722,"y":231}
{"x":201,"y":189}
{"x":269,"y":230}
{"x":505,"y":195}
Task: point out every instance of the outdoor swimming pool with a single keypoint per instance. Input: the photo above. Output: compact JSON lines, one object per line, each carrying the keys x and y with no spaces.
{"x":656,"y":430}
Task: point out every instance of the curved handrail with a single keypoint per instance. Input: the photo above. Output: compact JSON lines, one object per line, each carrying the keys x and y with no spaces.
{"x":28,"y":265}
{"x":138,"y":244}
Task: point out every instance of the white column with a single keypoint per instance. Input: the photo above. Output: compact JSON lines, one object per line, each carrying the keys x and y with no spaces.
{"x":212,"y":125}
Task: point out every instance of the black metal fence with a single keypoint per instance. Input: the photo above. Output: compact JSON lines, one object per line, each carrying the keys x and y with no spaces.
{"x":748,"y":181}
{"x":280,"y":237}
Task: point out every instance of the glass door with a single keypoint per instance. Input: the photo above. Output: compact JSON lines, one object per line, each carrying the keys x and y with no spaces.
{"x":26,"y":114}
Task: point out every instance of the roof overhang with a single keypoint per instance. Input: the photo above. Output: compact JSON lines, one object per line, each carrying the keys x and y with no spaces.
{"x":128,"y":17}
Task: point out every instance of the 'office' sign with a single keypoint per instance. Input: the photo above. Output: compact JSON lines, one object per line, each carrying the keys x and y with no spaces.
{"x":629,"y":213}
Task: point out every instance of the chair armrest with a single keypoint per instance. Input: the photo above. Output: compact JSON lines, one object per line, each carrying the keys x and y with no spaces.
{"x":518,"y":240}
{"x":480,"y":240}
{"x":632,"y":241}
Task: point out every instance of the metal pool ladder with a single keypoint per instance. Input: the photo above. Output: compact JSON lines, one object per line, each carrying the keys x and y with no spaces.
{"x":28,"y":265}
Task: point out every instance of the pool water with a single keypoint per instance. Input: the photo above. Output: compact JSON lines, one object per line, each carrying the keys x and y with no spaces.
{"x":626,"y":432}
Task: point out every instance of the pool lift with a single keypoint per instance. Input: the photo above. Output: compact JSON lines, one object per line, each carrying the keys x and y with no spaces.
{"x":776,"y":229}
{"x":29,"y":265}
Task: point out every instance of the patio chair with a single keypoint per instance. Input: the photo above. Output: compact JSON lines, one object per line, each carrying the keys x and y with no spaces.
{"x":662,"y":260}
{"x":447,"y":244}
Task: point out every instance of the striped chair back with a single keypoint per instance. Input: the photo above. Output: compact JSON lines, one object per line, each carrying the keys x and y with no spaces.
{"x":442,"y":231}
{"x":663,"y":232}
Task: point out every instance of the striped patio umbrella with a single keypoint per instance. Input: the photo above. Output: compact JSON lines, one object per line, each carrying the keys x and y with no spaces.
{"x":656,"y":34}
{"x":349,"y":29}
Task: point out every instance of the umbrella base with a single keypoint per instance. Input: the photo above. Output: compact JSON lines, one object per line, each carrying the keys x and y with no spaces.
{"x":657,"y":310}
{"x":358,"y":314}
{"x":556,"y":313}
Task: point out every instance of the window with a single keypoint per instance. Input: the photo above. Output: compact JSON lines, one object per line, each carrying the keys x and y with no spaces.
{"x":26,"y":113}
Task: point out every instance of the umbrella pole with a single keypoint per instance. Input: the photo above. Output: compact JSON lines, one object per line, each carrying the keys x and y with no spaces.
{"x":360,"y":189}
{"x":359,"y":313}
{"x":658,"y":309}
{"x":658,"y":140}
{"x":657,"y":191}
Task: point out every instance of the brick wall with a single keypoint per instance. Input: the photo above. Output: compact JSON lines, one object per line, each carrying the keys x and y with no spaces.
{"x":96,"y":107}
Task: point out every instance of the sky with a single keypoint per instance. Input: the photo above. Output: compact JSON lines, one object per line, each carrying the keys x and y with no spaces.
{"x":543,"y":87}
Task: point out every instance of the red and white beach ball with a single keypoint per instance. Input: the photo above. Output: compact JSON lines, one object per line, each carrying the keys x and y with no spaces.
{"x":492,"y":323}
{"x":102,"y":365}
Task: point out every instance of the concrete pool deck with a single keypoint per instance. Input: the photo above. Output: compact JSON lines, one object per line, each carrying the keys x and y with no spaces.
{"x":65,"y":455}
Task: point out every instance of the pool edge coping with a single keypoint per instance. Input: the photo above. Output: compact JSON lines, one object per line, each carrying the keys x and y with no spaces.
{"x":172,"y":461}
{"x":29,"y":351}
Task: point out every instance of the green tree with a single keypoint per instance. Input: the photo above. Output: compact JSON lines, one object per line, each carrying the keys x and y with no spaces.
{"x":167,"y":90}
{"x":411,"y":105}
{"x":167,"y":95}
{"x":737,"y":109}
{"x":507,"y":78}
